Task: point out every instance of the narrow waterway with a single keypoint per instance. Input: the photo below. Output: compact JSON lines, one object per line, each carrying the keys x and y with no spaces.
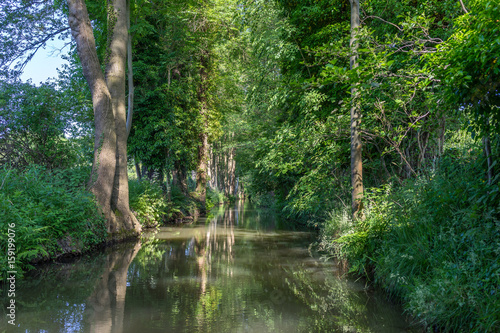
{"x":237,"y":271}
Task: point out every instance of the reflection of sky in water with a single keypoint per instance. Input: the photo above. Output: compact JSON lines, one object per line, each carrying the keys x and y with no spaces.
{"x":231,"y":273}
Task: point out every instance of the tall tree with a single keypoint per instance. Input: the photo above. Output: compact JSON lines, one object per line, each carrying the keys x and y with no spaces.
{"x":203,"y":149}
{"x":356,"y":156}
{"x":109,"y":180}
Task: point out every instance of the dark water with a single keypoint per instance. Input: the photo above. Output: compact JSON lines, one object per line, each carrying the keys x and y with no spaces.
{"x":235,"y":272}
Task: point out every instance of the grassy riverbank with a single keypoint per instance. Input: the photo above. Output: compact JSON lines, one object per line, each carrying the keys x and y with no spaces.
{"x":432,"y":242}
{"x":48,"y":213}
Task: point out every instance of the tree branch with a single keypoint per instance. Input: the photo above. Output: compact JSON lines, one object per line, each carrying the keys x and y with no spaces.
{"x":463,"y":7}
{"x":381,"y":19}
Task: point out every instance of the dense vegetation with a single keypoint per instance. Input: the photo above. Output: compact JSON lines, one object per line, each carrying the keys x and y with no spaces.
{"x":231,"y":98}
{"x":51,"y":213}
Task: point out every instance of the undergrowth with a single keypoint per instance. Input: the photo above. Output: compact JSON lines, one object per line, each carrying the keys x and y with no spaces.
{"x":153,"y":207}
{"x":433,"y":242}
{"x":50,"y":213}
{"x":147,"y":201}
{"x":215,"y":198}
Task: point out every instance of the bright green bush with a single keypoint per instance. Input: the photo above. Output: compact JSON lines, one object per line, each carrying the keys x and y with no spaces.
{"x":433,"y":242}
{"x":148,"y":202}
{"x":214,"y":198}
{"x":52,"y":213}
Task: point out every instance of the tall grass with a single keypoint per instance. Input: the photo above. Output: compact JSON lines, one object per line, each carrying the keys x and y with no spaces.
{"x":434,"y":243}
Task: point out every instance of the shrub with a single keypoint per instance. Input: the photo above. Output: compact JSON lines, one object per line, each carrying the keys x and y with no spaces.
{"x":148,"y":202}
{"x":433,"y":242}
{"x":52,"y":213}
{"x":214,"y":198}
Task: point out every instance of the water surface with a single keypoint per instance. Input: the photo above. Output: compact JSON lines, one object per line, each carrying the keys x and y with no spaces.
{"x":238,"y":271}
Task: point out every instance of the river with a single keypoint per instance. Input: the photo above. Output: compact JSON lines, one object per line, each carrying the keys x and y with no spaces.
{"x":237,"y":271}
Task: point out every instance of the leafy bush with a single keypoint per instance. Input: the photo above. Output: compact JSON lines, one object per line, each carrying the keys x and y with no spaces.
{"x":214,"y":198}
{"x":33,"y":123}
{"x":148,"y":202}
{"x":51,"y":214}
{"x":433,"y":242}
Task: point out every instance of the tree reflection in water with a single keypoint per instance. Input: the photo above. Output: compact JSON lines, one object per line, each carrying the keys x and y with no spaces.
{"x":234,"y":272}
{"x":83,"y":295}
{"x":106,"y":304}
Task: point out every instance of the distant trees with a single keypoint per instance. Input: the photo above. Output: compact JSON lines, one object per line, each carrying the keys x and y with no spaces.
{"x":180,"y":87}
{"x":33,"y":123}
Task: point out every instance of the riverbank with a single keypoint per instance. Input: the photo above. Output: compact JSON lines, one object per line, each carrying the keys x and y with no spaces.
{"x":432,"y":243}
{"x":48,"y":215}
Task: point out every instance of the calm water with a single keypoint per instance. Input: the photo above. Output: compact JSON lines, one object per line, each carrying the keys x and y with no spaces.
{"x":234,"y":272}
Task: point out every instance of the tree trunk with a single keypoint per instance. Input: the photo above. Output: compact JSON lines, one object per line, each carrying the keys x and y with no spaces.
{"x":236,"y":186}
{"x":137,"y":169}
{"x":201,"y":172}
{"x":180,"y":178}
{"x":175,"y":177}
{"x":130,"y":111}
{"x":232,"y":168}
{"x":216,"y":158}
{"x":169,"y":186}
{"x":356,"y":157}
{"x":109,"y":179}
{"x":209,"y":168}
{"x":227,"y":191}
{"x":489,"y":159}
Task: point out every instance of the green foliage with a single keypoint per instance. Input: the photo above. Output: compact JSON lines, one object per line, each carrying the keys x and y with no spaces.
{"x":296,"y":133}
{"x":151,"y":206}
{"x":33,"y":121}
{"x":434,"y":243}
{"x":174,"y":43}
{"x":52,"y":212}
{"x":25,"y":28}
{"x":165,"y":101}
{"x":275,"y":79}
{"x":469,"y":66}
{"x":148,"y":203}
{"x":214,"y":198}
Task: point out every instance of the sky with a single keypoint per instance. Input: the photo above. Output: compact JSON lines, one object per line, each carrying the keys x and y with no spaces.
{"x":44,"y":64}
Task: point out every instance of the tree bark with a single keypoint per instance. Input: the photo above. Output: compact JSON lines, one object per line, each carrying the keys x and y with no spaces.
{"x":232,"y":167}
{"x":109,"y":179}
{"x":356,"y":157}
{"x":180,"y":177}
{"x":130,"y":111}
{"x":201,"y":172}
{"x":115,"y":79}
{"x":137,"y":169}
{"x":489,"y":159}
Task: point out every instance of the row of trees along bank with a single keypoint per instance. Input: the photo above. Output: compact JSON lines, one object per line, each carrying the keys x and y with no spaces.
{"x":346,"y":115}
{"x":178,"y":94}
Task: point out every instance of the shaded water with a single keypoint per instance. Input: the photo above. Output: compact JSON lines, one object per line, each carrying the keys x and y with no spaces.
{"x":235,"y":272}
